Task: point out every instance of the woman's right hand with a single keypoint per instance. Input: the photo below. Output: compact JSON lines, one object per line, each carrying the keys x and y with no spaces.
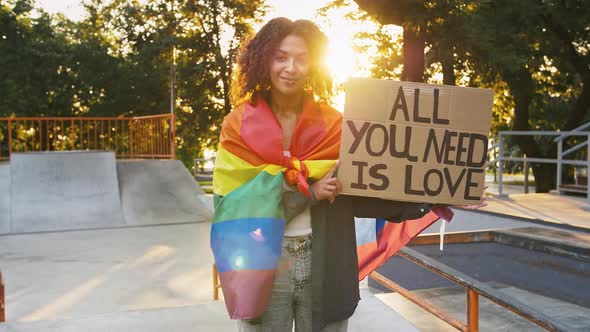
{"x":327,"y":187}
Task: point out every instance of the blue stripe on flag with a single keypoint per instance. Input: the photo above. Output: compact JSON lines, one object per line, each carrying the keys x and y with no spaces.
{"x":379,"y":224}
{"x":365,"y":230}
{"x":247,"y":244}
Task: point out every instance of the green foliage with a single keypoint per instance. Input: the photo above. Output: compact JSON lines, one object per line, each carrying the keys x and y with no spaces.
{"x":387,"y":60}
{"x":534,"y":54}
{"x":117,"y":62}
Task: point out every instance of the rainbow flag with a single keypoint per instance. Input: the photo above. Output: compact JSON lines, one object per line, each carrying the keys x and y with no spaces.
{"x":377,"y":240}
{"x":248,"y":222}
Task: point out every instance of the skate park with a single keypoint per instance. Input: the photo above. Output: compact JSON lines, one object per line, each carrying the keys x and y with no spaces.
{"x":104,"y":105}
{"x":91,"y":242}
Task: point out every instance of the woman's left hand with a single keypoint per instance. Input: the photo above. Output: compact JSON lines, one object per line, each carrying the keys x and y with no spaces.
{"x":484,"y":197}
{"x":327,"y":187}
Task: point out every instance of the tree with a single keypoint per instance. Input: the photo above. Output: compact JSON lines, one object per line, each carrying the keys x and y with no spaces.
{"x":31,"y":79}
{"x":117,"y":61}
{"x":52,"y":66}
{"x":205,"y":62}
{"x":409,"y":15}
{"x":430,"y":34}
{"x":203,"y":37}
{"x":543,"y":61}
{"x":538,"y":67}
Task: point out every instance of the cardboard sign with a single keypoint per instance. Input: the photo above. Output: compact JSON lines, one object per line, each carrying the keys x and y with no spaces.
{"x":415,"y":142}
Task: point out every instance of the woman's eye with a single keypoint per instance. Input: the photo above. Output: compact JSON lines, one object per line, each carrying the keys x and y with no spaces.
{"x":303,"y":61}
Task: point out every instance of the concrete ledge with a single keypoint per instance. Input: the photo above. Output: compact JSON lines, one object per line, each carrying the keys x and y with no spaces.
{"x":4,"y":198}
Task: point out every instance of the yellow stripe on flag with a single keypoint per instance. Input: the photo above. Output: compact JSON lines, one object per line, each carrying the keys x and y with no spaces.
{"x":318,"y":168}
{"x":232,"y":172}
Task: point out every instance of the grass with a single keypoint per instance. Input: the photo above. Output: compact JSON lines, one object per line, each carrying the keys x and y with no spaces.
{"x":207,"y":186}
{"x":518,"y":182}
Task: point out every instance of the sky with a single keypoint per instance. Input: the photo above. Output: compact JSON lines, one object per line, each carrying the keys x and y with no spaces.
{"x":71,"y":8}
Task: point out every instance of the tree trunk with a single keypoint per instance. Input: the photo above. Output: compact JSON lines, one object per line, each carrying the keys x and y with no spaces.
{"x":414,"y":44}
{"x":581,"y":107}
{"x":448,"y":68}
{"x":582,"y":65}
{"x":545,"y":177}
{"x":522,"y":89}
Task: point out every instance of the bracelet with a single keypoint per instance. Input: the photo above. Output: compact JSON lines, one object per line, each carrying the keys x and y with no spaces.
{"x":313,"y":197}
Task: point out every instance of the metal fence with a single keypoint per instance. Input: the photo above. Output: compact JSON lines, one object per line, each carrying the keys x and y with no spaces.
{"x":130,"y":137}
{"x":560,"y":159}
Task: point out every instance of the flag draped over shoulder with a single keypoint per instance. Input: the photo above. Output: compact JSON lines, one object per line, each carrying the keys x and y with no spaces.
{"x":249,"y":221}
{"x":377,"y":240}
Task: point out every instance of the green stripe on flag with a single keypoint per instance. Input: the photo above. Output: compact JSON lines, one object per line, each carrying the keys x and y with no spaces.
{"x":259,"y":198}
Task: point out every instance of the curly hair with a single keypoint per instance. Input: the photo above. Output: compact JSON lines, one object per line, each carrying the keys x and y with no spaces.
{"x":251,"y":76}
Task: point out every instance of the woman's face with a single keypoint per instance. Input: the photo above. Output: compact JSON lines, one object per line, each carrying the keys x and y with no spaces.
{"x":289,"y":66}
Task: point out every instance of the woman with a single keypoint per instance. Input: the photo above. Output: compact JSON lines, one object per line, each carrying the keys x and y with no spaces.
{"x":276,"y":196}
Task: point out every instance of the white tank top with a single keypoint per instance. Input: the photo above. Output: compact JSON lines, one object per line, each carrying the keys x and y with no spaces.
{"x":300,"y":225}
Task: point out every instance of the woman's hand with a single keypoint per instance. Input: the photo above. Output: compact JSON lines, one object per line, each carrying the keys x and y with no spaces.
{"x":484,"y":197}
{"x":327,"y":187}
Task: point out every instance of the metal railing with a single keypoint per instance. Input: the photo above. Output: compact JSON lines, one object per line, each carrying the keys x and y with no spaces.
{"x":203,"y":166}
{"x":559,"y":160}
{"x":474,"y":289}
{"x":130,"y":138}
{"x":560,"y":153}
{"x":216,"y":283}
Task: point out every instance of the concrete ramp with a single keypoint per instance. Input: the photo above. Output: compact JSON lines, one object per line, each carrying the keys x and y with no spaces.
{"x":4,"y":198}
{"x":160,"y":192}
{"x":56,"y":191}
{"x":64,"y":191}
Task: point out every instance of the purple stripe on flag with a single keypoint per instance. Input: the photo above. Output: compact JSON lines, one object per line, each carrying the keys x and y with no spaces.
{"x":247,"y":292}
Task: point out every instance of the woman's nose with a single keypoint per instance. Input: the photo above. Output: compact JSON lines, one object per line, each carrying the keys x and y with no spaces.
{"x":290,"y":65}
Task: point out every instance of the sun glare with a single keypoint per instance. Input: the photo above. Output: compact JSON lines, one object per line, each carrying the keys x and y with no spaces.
{"x":342,"y":60}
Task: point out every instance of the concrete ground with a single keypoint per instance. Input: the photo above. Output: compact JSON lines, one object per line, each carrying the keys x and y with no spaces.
{"x":512,"y":184}
{"x":150,"y":278}
{"x":372,"y":315}
{"x":551,"y":208}
{"x":158,"y":277}
{"x":201,"y":317}
{"x":91,"y":244}
{"x":81,"y":273}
